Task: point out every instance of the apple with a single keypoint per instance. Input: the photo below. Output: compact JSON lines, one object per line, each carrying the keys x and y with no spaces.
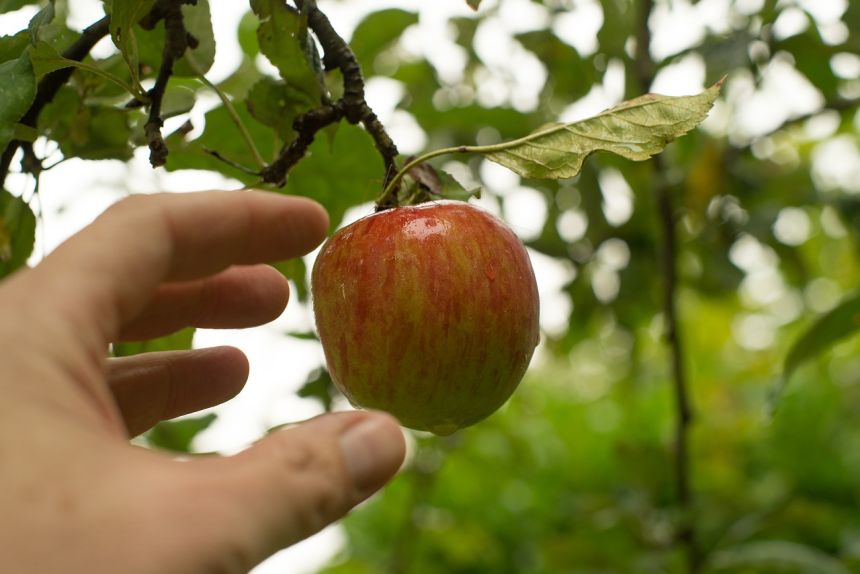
{"x":428,"y":312}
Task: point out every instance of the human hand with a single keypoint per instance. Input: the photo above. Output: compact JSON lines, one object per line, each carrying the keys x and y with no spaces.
{"x":76,"y":497}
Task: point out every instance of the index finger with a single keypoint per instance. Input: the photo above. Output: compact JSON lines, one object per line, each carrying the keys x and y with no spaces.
{"x":108,"y":271}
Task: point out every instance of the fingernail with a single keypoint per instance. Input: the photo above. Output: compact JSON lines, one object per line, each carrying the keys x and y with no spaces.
{"x":373,"y":451}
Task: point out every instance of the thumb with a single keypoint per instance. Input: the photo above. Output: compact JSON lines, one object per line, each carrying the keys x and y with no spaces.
{"x":294,"y":482}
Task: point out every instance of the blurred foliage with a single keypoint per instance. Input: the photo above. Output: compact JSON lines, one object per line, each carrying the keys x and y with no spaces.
{"x":178,"y":435}
{"x":575,"y":474}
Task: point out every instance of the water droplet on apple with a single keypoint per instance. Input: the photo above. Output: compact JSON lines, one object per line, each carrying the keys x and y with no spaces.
{"x":444,"y":428}
{"x":490,"y":271}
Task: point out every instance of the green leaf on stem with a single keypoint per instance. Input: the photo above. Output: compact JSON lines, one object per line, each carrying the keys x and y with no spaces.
{"x":17,"y":92}
{"x":46,"y":59}
{"x":284,"y":40}
{"x":636,"y":130}
{"x":827,"y":330}
{"x":178,"y":435}
{"x":17,"y":233}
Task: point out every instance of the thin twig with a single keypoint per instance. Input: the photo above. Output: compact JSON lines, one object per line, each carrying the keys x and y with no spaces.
{"x":237,"y":166}
{"x":686,"y":533}
{"x":231,"y":110}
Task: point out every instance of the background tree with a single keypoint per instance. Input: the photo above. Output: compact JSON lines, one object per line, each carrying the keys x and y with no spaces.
{"x":649,"y":435}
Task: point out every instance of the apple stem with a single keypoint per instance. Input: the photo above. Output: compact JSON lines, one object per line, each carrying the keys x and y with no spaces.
{"x":388,"y":198}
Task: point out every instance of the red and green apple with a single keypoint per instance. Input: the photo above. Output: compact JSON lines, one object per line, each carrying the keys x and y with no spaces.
{"x":428,"y":312}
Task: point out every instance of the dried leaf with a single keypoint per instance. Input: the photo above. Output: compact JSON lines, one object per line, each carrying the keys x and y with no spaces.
{"x":636,"y":130}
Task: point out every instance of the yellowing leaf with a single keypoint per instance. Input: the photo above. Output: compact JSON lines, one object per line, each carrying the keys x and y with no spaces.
{"x":636,"y":130}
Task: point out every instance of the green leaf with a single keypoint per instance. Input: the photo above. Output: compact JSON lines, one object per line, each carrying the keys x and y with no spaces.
{"x":775,"y":556}
{"x":179,"y":341}
{"x":17,"y":92}
{"x":43,"y":17}
{"x":378,"y":31}
{"x":276,"y":104}
{"x":247,"y":34}
{"x":178,"y":100}
{"x":11,"y":47}
{"x":98,"y":132}
{"x":17,"y":233}
{"x":177,"y":436}
{"x":26,"y":133}
{"x":125,"y":14}
{"x":357,"y":179}
{"x":221,"y":134}
{"x":473,"y":4}
{"x":46,"y":59}
{"x":306,"y":336}
{"x":827,"y":330}
{"x":284,"y":40}
{"x":636,"y":130}
{"x":12,"y":5}
{"x":319,"y":386}
{"x":198,"y":22}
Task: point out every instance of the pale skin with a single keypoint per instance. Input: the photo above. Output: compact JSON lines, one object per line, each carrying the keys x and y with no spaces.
{"x":75,"y":495}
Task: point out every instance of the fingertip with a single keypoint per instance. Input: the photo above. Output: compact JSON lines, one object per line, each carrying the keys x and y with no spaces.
{"x":272,"y":294}
{"x":373,"y":450}
{"x":228,"y":368}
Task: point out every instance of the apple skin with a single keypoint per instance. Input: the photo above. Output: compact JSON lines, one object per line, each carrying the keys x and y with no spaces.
{"x":429,"y":312}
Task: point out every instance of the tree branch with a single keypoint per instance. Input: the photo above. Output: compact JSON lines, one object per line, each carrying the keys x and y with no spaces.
{"x":306,"y":126}
{"x":176,"y":41}
{"x":686,"y":533}
{"x":352,"y":106}
{"x":51,"y":84}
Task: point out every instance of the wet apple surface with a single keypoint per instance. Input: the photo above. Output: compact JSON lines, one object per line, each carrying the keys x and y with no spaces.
{"x":429,"y":312}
